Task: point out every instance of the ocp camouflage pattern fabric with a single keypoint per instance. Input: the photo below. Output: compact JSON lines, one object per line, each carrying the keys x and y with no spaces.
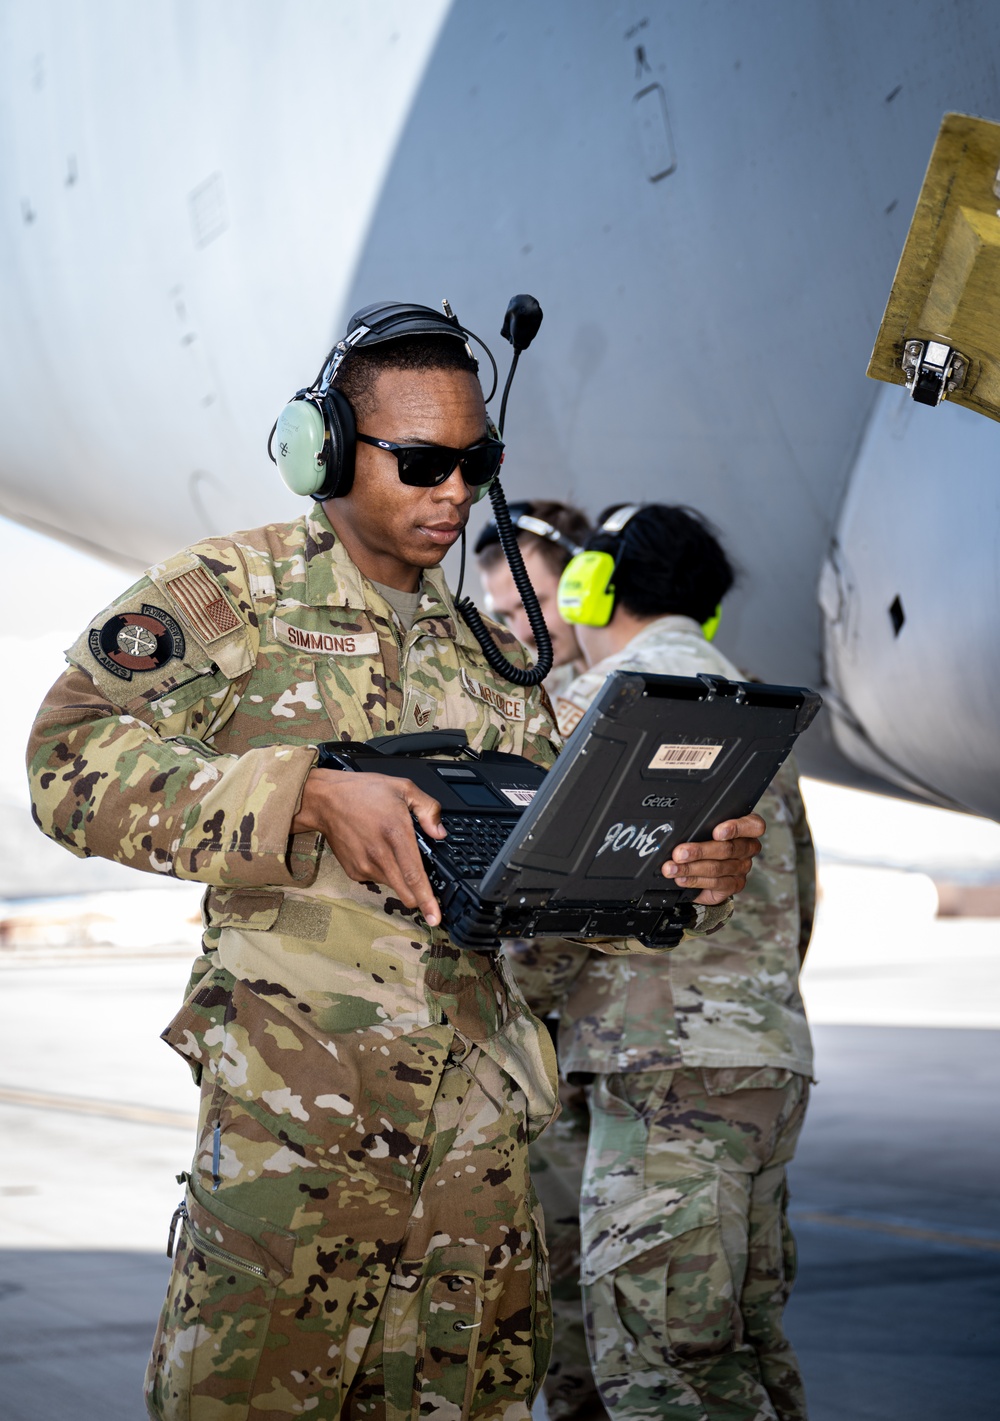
{"x":688,"y":1260}
{"x":307,"y":1278}
{"x":369,"y":1089}
{"x":699,"y":1063}
{"x":557,"y":1173}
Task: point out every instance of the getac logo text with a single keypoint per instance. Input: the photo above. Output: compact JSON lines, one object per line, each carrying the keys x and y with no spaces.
{"x":656,"y":801}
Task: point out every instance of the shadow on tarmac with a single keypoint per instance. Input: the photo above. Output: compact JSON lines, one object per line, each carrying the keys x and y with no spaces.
{"x":75,"y":1332}
{"x":896,"y":1309}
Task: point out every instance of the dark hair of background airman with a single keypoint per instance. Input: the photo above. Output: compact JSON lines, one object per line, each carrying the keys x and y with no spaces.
{"x":672,"y":562}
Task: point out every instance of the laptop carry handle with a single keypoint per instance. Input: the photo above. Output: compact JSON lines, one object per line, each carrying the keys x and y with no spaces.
{"x":420,"y":742}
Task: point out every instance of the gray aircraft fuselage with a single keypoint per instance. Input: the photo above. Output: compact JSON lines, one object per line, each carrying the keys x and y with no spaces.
{"x":709,"y":201}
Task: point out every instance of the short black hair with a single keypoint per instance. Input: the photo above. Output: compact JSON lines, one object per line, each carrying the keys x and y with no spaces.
{"x":572,"y":522}
{"x":361,"y":368}
{"x":672,"y":562}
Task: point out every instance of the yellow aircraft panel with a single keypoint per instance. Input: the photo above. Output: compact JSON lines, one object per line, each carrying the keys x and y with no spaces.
{"x":947,"y":286}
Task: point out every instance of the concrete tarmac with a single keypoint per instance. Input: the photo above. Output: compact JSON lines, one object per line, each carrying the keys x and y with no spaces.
{"x":895,"y":1314}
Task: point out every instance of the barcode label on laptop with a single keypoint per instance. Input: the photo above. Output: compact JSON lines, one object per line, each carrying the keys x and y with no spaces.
{"x":685,"y":757}
{"x":520,"y":796}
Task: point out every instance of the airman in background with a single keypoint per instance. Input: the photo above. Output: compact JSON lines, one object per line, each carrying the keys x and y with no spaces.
{"x":685,"y":1078}
{"x":548,"y":534}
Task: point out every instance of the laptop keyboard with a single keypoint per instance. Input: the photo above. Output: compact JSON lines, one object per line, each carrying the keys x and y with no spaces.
{"x":474,"y":841}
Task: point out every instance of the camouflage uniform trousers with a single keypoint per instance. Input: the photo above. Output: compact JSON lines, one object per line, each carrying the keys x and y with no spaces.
{"x":687,"y":1256}
{"x":302,"y":1289}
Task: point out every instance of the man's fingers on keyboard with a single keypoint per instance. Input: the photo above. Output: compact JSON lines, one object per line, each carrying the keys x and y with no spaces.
{"x":404,"y":872}
{"x":424,"y":809}
{"x":420,"y":892}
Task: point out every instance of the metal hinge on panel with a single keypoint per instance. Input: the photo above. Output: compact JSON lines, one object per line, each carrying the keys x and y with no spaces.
{"x":932,"y":370}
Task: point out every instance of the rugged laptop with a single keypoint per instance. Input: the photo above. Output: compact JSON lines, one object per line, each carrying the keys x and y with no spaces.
{"x":656,"y":761}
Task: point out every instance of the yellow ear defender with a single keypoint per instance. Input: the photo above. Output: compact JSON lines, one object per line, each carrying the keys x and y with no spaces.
{"x":709,"y":628}
{"x":586,"y":595}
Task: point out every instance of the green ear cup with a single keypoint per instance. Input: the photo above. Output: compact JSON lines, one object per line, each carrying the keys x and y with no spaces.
{"x":483,"y":489}
{"x":297,"y":445}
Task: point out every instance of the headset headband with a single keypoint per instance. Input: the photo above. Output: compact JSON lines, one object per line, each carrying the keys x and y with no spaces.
{"x":336,"y":358}
{"x":527,"y":523}
{"x":615,"y":522}
{"x":394,"y":320}
{"x":389,"y":321}
{"x":530,"y":524}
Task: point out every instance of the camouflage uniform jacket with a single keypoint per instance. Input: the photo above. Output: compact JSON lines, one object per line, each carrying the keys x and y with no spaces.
{"x":728,"y":999}
{"x":178,"y":742}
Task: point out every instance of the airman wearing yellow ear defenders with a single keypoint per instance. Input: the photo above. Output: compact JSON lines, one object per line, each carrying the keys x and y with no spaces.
{"x":700,"y":1062}
{"x":586,"y":594}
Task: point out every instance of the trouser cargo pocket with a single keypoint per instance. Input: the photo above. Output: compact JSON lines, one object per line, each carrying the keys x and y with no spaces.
{"x":217,"y":1315}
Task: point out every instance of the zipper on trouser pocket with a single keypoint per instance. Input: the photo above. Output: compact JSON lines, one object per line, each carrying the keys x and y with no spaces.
{"x":206,"y":1246}
{"x":179,"y":1213}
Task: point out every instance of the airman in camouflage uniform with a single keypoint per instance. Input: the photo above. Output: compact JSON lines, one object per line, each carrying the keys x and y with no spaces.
{"x":699,"y":1064}
{"x":358,"y":1235}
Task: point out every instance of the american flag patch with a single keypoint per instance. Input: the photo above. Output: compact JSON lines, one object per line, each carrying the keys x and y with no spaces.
{"x":199,"y":598}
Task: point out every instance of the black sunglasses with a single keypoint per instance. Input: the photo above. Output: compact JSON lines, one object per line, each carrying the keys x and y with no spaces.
{"x":427,"y":465}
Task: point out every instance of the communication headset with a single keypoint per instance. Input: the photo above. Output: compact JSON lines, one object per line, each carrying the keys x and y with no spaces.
{"x":526,"y":522}
{"x":314,"y":440}
{"x":709,"y":628}
{"x":586,"y":595}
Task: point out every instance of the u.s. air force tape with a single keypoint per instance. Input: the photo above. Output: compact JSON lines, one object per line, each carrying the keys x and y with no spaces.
{"x":510,"y":707}
{"x":131,"y":642}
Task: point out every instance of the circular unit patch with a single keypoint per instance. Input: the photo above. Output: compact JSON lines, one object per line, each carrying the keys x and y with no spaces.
{"x":131,"y":642}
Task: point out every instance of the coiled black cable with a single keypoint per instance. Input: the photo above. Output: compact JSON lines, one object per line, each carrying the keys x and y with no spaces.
{"x":506,"y":533}
{"x":517,"y":675}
